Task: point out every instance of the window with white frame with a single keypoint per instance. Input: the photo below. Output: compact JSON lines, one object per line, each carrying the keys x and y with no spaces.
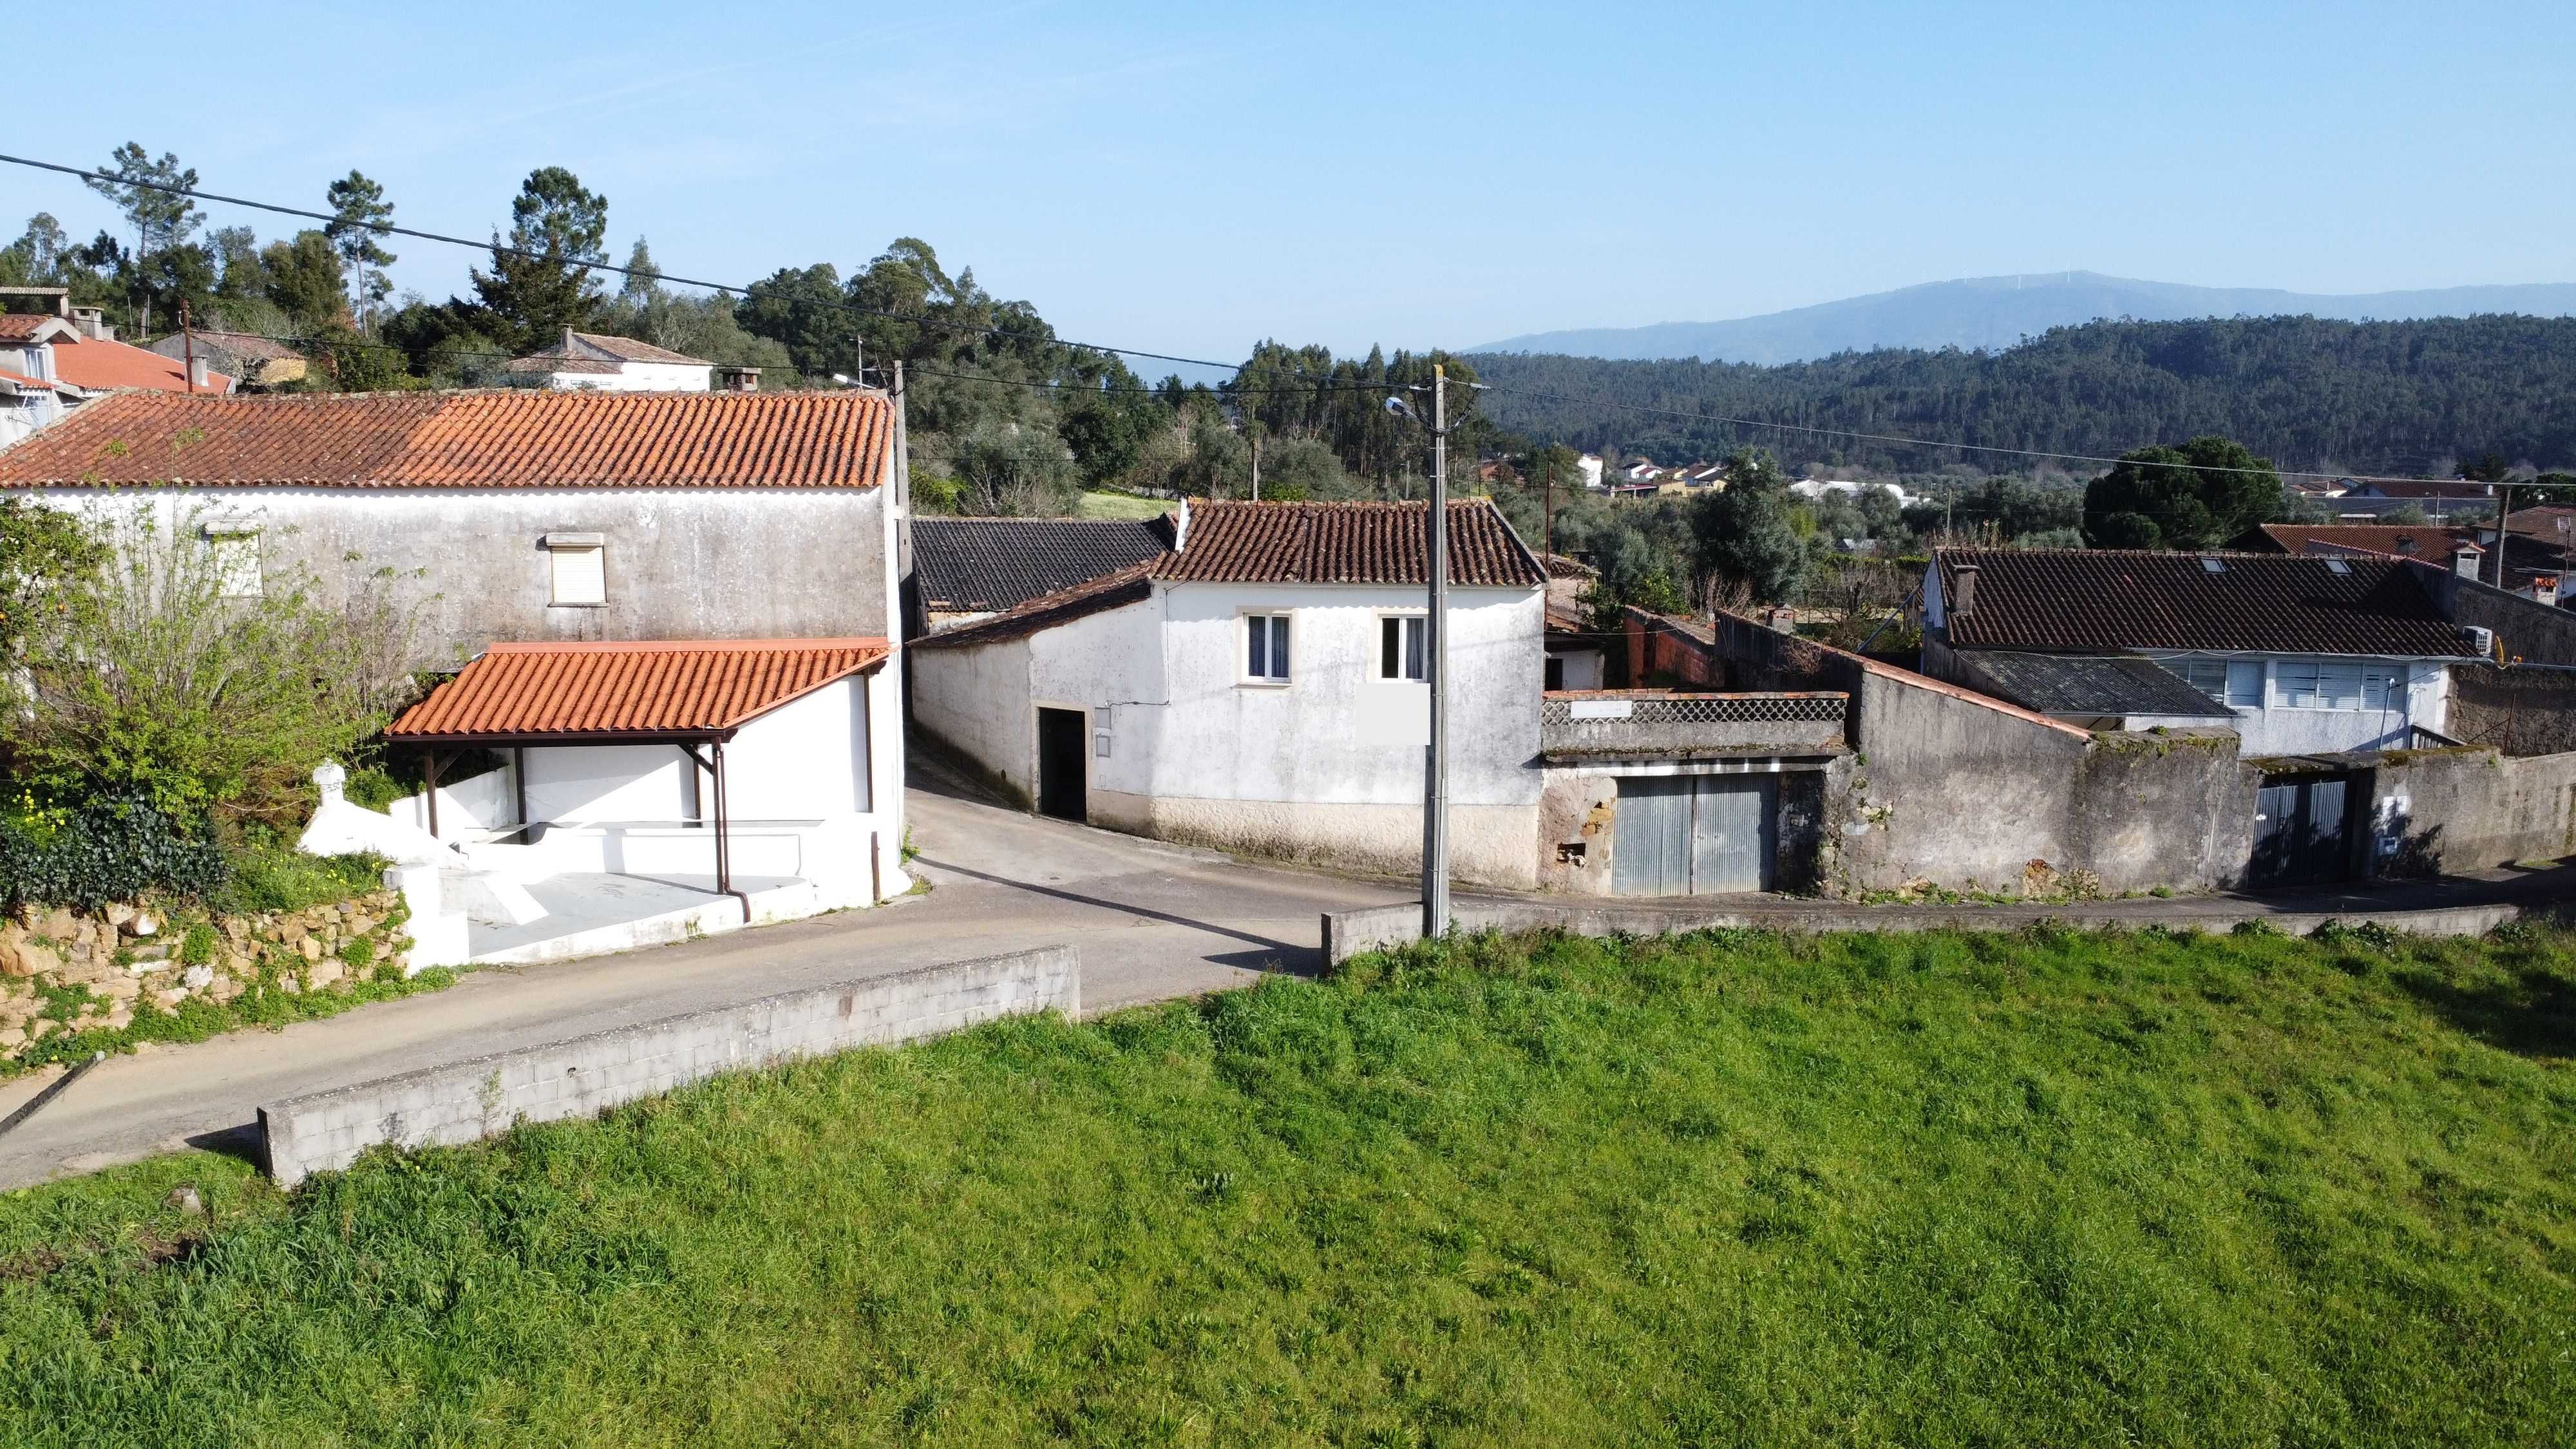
{"x":1403,"y":647}
{"x":2236,"y":683}
{"x":236,"y":550}
{"x":579,"y":568}
{"x":2317,"y":684}
{"x":1266,"y":648}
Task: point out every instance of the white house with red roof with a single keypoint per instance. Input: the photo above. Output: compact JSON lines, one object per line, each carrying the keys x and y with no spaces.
{"x":1260,"y":684}
{"x":670,"y":617}
{"x":598,"y":362}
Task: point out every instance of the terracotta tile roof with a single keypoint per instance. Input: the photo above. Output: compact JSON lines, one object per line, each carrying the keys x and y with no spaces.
{"x":631,"y":691}
{"x":597,"y":352}
{"x":552,"y":362}
{"x":499,"y":439}
{"x":630,"y":350}
{"x":19,"y":326}
{"x":23,"y":380}
{"x":1347,"y":543}
{"x":1559,"y":566}
{"x":980,"y":565}
{"x":239,"y":344}
{"x":97,"y":366}
{"x":2080,"y":601}
{"x":1130,"y":585}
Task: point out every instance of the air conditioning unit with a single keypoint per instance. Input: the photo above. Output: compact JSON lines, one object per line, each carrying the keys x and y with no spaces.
{"x":2480,"y":639}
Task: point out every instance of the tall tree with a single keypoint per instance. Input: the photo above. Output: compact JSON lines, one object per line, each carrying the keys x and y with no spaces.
{"x":643,"y":280}
{"x":541,"y":280}
{"x":303,"y":280}
{"x":1743,"y":536}
{"x":37,"y":257}
{"x":138,"y":185}
{"x":2197,"y":496}
{"x":358,"y":206}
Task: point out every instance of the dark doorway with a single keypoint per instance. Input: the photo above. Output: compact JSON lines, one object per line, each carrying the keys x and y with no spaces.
{"x":1064,"y":786}
{"x":2302,"y":830}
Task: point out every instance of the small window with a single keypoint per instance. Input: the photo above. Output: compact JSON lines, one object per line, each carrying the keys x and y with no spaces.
{"x":1266,"y":647}
{"x":2213,"y":565}
{"x":2337,"y":566}
{"x":580,"y":572}
{"x":2236,"y":683}
{"x":1403,"y":647}
{"x":236,"y":565}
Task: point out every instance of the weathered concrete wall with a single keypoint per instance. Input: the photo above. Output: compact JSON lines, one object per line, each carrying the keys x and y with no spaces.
{"x":2534,"y":632}
{"x":586,"y":1075}
{"x":1949,"y":788}
{"x":1376,"y":928}
{"x":975,"y":703}
{"x":2441,"y":811}
{"x":711,"y":563}
{"x":2524,"y":711}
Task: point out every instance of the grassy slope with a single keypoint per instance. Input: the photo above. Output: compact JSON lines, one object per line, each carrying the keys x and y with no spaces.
{"x":1121,"y":505}
{"x":1936,"y":1189}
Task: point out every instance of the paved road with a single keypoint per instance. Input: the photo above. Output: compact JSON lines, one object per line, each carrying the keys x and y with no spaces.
{"x":1152,"y":922}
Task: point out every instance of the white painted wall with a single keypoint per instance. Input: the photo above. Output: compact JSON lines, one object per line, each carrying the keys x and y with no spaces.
{"x":2277,"y":728}
{"x":635,"y":377}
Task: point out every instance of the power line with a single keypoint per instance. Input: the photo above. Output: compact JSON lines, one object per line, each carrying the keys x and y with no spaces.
{"x":386,"y":228}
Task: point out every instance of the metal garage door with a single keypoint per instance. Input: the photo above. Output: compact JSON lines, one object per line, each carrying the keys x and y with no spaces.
{"x":2301,"y":830}
{"x":1682,"y":835}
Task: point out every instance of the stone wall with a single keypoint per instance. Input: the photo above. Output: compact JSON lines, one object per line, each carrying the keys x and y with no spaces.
{"x":65,"y":972}
{"x":2442,"y":811}
{"x":2518,"y":711}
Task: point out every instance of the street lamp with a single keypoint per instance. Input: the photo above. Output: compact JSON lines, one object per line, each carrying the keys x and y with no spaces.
{"x":1435,"y":783}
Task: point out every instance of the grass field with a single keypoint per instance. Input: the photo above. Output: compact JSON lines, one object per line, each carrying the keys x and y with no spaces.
{"x":2042,"y":1188}
{"x":1121,"y":505}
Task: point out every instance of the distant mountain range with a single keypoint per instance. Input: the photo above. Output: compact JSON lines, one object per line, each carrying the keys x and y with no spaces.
{"x":1996,"y":312}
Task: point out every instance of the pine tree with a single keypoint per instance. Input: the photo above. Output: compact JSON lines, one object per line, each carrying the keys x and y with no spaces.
{"x":358,"y":206}
{"x":541,"y":281}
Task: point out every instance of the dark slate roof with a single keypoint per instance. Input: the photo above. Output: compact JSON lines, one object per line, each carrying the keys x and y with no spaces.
{"x":2114,"y":601}
{"x":2086,"y":684}
{"x":1348,"y":543}
{"x":986,"y":565}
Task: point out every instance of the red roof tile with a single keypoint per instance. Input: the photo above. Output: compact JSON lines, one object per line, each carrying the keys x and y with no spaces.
{"x":501,"y":439}
{"x":640,"y":690}
{"x":19,"y":326}
{"x":98,"y":366}
{"x":1347,"y":543}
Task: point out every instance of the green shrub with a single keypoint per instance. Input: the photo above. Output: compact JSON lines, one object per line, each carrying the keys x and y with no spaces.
{"x":371,"y":787}
{"x":358,"y":953}
{"x":197,"y":947}
{"x":115,"y":848}
{"x":267,"y":876}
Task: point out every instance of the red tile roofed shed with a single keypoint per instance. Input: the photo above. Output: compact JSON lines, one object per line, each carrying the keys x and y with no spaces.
{"x":502,"y":439}
{"x":99,"y":366}
{"x":635,"y":692}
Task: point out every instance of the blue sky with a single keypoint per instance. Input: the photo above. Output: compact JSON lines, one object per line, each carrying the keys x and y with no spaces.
{"x":1190,"y":178}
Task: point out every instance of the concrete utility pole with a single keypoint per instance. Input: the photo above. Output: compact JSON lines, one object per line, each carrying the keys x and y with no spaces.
{"x":188,"y":344}
{"x":2504,"y":517}
{"x":1435,"y":797}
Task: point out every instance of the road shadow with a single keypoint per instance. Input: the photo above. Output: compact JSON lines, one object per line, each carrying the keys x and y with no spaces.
{"x":242,"y":1142}
{"x":1280,"y":948}
{"x":1306,"y":961}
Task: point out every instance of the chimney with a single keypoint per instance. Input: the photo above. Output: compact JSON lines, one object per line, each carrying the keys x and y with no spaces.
{"x":1782,"y":621}
{"x":2544,"y":589}
{"x":1181,"y":525}
{"x":1964,"y":584}
{"x":198,"y":381}
{"x":2464,"y":561}
{"x":735,"y":378}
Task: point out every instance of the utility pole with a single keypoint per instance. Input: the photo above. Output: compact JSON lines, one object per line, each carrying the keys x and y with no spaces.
{"x":1255,"y":430}
{"x":1547,"y":506}
{"x":2504,"y":516}
{"x":1435,"y":793}
{"x":188,"y":344}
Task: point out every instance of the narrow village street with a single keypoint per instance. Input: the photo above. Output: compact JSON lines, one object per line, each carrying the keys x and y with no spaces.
{"x":1152,"y":922}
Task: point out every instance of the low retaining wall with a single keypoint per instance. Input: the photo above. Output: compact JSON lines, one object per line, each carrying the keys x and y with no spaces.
{"x":1353,"y":933}
{"x":474,"y":1099}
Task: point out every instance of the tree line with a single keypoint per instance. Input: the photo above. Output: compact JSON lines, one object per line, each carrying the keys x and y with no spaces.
{"x":2410,"y":398}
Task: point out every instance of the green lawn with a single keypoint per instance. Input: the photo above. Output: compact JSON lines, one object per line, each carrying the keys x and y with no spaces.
{"x":1122,"y":505}
{"x":1944,"y":1189}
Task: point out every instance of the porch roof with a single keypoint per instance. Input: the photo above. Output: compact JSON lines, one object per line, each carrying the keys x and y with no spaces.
{"x":628,"y":692}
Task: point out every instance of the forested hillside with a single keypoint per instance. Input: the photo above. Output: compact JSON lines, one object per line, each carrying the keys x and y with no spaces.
{"x":2377,"y":397}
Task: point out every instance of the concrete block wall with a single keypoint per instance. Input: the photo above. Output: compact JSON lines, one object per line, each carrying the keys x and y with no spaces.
{"x":2437,"y":811}
{"x":468,"y":1101}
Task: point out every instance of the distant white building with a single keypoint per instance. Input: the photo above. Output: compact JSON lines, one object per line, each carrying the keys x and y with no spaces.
{"x":1590,"y":464}
{"x":597,"y":362}
{"x":1814,"y":490}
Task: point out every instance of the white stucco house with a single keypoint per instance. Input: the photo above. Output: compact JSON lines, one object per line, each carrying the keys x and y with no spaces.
{"x":598,"y":362}
{"x":669,"y":616}
{"x":1259,"y":685}
{"x":2298,"y":654}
